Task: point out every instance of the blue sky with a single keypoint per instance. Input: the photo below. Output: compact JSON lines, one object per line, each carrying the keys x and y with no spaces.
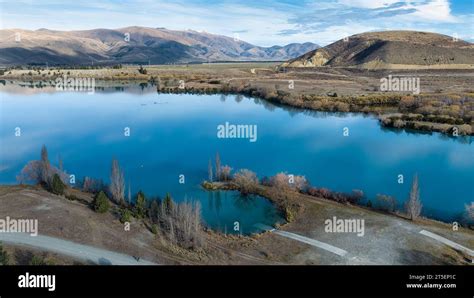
{"x":263,"y":22}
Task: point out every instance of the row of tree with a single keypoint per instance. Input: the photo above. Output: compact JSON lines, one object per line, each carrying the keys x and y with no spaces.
{"x":222,"y":173}
{"x":247,"y":181}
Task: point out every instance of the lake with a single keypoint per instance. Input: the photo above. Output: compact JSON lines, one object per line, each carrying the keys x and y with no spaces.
{"x":173,"y":135}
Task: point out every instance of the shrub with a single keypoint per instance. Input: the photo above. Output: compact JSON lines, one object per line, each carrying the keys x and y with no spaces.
{"x":154,"y":211}
{"x":386,"y":203}
{"x":280,"y":181}
{"x":4,"y":257}
{"x":101,"y":202}
{"x":125,"y":215}
{"x":154,"y":229}
{"x":398,"y":123}
{"x":290,"y":214}
{"x":142,"y":70}
{"x":140,"y":205}
{"x":246,"y":180}
{"x":57,"y":185}
{"x":167,"y":205}
{"x":356,"y":196}
{"x":37,"y":261}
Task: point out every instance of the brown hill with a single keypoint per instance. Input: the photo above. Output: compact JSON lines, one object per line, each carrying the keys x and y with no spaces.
{"x":390,"y":49}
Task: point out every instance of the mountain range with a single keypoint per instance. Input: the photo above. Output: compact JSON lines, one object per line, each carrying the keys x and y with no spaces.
{"x":137,"y":45}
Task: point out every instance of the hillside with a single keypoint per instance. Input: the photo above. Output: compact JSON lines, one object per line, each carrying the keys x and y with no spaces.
{"x":390,"y":49}
{"x":140,"y":45}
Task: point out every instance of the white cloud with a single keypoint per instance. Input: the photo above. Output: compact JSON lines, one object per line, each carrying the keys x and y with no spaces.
{"x":371,"y":4}
{"x":262,"y":25}
{"x":437,"y":10}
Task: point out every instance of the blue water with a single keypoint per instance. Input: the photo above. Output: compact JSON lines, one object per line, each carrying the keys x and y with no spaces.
{"x":177,"y":134}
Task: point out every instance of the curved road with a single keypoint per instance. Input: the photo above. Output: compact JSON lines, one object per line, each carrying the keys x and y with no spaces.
{"x":72,"y":249}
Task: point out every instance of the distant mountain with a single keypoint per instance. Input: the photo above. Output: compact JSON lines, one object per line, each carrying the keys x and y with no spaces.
{"x":133,"y":45}
{"x":390,"y":49}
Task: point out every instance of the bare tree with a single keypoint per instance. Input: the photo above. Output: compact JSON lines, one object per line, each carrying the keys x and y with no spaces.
{"x":280,"y":181}
{"x":32,"y":171}
{"x":218,"y":167}
{"x":182,"y":224}
{"x":300,"y":183}
{"x":470,"y":210}
{"x":117,"y":184}
{"x":60,"y":163}
{"x":246,"y":180}
{"x":209,"y":171}
{"x":41,"y":171}
{"x":413,"y":205}
{"x":93,"y":185}
{"x":225,"y":172}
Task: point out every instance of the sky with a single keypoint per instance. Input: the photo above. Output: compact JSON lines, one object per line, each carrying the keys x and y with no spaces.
{"x":262,"y":22}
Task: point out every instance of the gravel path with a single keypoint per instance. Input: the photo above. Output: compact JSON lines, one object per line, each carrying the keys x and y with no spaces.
{"x":74,"y":250}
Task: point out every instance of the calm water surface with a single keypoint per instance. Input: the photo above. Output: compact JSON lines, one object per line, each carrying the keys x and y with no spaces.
{"x":177,"y":134}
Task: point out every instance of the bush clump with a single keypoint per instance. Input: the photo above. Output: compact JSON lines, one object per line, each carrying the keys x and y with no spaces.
{"x":125,"y":215}
{"x":57,"y":185}
{"x":4,"y":257}
{"x":101,"y":203}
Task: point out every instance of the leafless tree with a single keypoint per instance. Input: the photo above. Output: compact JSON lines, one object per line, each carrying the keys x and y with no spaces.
{"x":41,"y":171}
{"x":209,"y":171}
{"x":182,"y":224}
{"x":280,"y":181}
{"x":93,"y":185}
{"x":225,"y":173}
{"x":60,"y":163}
{"x":300,"y":183}
{"x":218,"y":167}
{"x":413,"y":205}
{"x":246,"y":180}
{"x":470,"y":210}
{"x":32,"y":172}
{"x":117,"y":184}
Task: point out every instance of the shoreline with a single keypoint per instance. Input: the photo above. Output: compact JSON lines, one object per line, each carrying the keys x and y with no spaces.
{"x":288,"y":201}
{"x":265,"y":248}
{"x":435,"y":111}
